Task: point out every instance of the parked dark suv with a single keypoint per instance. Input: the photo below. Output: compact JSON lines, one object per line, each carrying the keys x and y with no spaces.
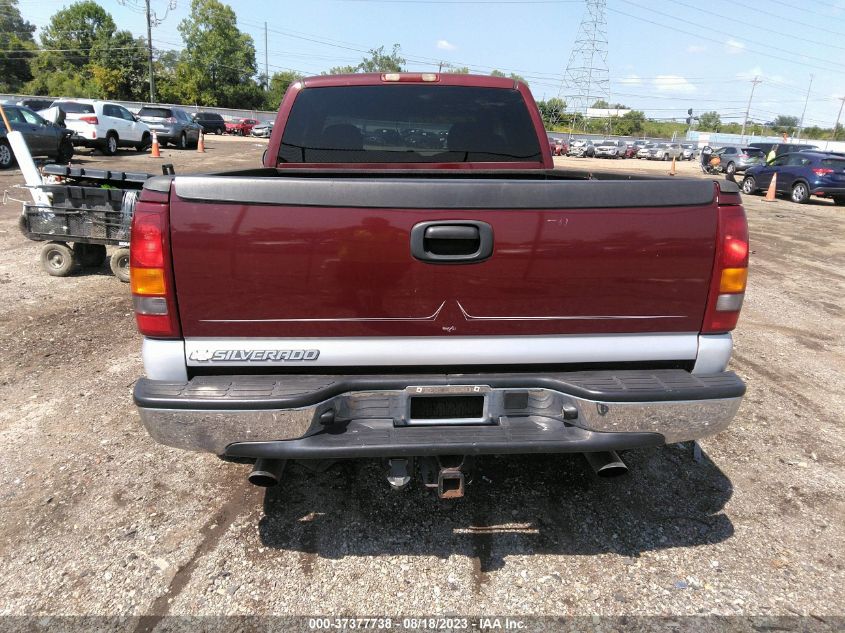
{"x":211,"y":122}
{"x":800,"y":174}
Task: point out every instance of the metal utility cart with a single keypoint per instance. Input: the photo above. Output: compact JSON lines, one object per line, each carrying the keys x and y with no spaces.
{"x":88,"y":210}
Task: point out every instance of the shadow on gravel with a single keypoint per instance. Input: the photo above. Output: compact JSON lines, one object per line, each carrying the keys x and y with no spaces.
{"x":541,"y":504}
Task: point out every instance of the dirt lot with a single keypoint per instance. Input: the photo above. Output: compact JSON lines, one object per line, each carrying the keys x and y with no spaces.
{"x":97,"y":519}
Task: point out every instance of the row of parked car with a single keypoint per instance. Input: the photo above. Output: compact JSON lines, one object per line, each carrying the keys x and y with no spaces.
{"x":63,"y":124}
{"x":613,"y":148}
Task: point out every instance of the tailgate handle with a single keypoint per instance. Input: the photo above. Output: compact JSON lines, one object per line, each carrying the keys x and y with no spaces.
{"x":452,"y":241}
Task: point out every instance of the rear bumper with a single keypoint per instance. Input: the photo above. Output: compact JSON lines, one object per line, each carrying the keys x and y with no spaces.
{"x":821,"y":190}
{"x":318,"y":416}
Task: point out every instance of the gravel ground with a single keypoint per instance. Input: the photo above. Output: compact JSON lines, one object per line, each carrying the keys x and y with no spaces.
{"x":98,"y":520}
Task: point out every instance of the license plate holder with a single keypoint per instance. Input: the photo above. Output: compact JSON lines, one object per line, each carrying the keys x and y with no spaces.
{"x":453,"y":405}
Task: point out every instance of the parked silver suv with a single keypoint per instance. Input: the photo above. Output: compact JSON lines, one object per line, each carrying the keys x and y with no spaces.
{"x":610,"y":149}
{"x":171,"y":125}
{"x":734,"y":158}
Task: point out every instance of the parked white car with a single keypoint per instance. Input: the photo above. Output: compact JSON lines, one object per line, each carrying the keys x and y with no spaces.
{"x":104,"y":126}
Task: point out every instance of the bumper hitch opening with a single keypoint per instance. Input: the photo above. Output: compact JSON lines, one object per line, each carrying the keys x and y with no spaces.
{"x":447,"y":474}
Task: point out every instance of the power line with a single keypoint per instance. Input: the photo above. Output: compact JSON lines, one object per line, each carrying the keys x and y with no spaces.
{"x":792,"y":36}
{"x":672,"y":17}
{"x":710,"y":39}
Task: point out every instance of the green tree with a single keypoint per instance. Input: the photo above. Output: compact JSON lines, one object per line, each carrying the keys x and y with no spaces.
{"x":119,"y":66}
{"x":217,"y":65}
{"x":62,"y":67}
{"x":784,"y":122}
{"x":630,"y":124}
{"x":600,"y":104}
{"x":552,"y":111}
{"x":17,"y":47}
{"x":456,"y":70}
{"x":164,"y":67}
{"x":381,"y":62}
{"x":498,"y":73}
{"x":279,"y":84}
{"x":377,"y":61}
{"x":709,"y":121}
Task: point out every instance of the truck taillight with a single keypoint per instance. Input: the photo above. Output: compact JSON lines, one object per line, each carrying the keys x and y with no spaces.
{"x":730,"y":272}
{"x":150,"y":276}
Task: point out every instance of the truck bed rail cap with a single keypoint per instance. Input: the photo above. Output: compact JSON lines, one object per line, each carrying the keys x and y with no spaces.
{"x":159,"y":183}
{"x":443,"y":193}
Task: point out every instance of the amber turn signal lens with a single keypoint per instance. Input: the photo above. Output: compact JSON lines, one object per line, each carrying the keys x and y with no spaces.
{"x":733,"y":280}
{"x":147,"y":281}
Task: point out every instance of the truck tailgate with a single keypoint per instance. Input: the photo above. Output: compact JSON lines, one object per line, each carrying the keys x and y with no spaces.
{"x":288,"y":256}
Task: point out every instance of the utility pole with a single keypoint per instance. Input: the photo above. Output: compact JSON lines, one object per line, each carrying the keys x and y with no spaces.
{"x":150,"y":52}
{"x":754,"y":83}
{"x":838,"y":116}
{"x":266,"y":65}
{"x":804,"y":111}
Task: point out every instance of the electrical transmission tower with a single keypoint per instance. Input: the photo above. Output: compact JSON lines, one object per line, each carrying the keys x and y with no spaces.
{"x":587,"y":79}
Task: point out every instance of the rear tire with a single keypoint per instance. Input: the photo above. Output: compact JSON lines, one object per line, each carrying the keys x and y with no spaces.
{"x":6,"y":156}
{"x":749,"y":185}
{"x":183,"y":141}
{"x":800,"y":193}
{"x":145,"y":143}
{"x":89,"y":255}
{"x":730,"y":170}
{"x":65,"y":151}
{"x":110,"y":146}
{"x":58,"y":259}
{"x":119,"y":264}
{"x":840,"y":202}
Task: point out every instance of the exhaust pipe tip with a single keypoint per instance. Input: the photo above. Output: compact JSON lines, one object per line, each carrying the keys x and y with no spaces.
{"x":266,"y":473}
{"x":606,"y":464}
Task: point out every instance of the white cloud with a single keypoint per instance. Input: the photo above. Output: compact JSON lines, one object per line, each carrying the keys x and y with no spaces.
{"x":445,"y":45}
{"x":733,"y":47}
{"x":696,"y":48}
{"x":631,"y":80}
{"x":673,"y":83}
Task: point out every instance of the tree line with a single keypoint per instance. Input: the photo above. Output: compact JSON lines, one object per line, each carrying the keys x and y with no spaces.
{"x":82,"y":53}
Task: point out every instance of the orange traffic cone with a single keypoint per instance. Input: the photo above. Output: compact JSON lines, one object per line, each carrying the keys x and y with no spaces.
{"x":201,"y":143}
{"x":155,"y":153}
{"x":672,"y":171}
{"x":770,"y":192}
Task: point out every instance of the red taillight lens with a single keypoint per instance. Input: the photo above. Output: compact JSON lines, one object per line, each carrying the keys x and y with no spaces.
{"x":151,"y":278}
{"x":822,"y":171}
{"x":90,"y":119}
{"x":730,"y":272}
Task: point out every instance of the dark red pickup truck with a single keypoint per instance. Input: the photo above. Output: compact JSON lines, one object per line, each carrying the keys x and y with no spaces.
{"x":408,"y":278}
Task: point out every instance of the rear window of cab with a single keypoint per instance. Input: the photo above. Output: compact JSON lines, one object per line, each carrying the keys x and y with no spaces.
{"x":409,"y":124}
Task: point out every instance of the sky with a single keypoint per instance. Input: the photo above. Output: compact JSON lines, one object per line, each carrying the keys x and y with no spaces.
{"x":662,"y":57}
